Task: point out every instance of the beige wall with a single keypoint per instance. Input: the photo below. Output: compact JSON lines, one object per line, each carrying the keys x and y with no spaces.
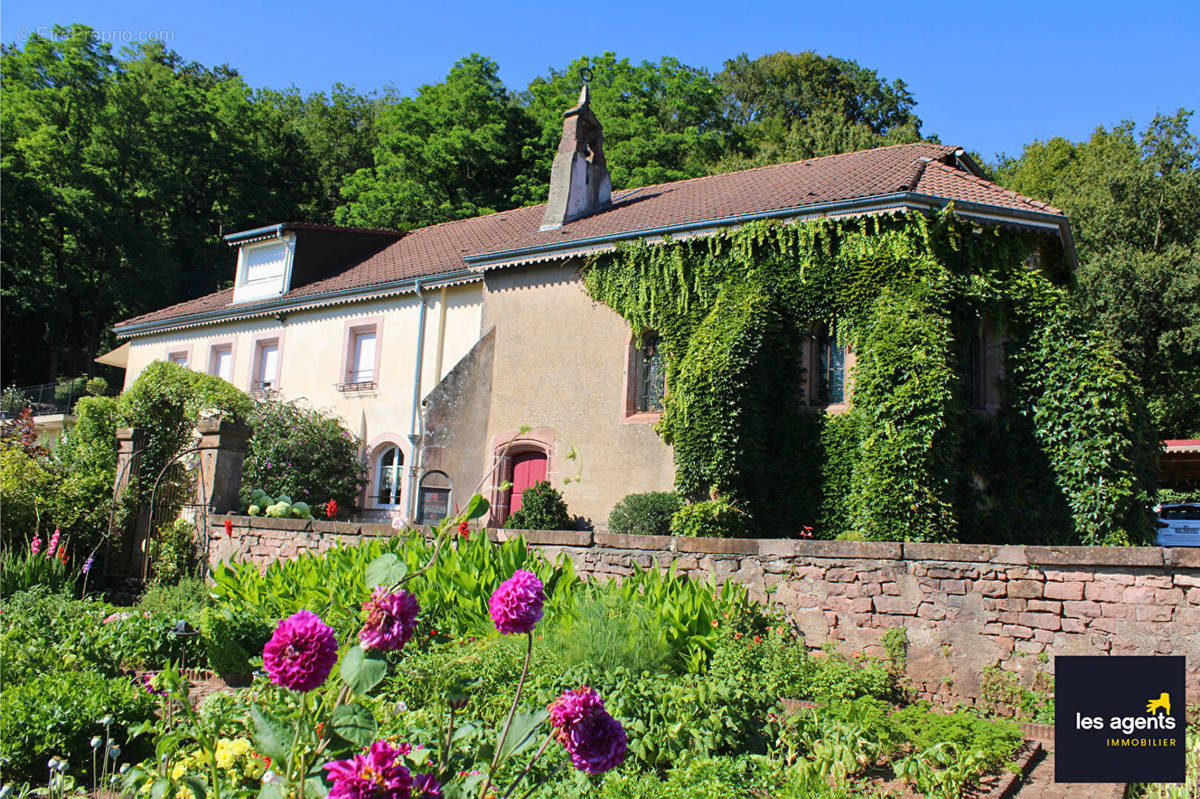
{"x":559,"y":367}
{"x":312,"y":358}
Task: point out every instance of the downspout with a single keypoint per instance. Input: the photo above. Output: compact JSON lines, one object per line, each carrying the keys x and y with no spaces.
{"x":417,"y":422}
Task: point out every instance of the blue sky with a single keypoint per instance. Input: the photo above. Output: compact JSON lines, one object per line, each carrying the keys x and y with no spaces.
{"x":988,"y":77}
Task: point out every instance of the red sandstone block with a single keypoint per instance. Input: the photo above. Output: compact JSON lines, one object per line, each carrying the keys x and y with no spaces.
{"x":1045,"y":636}
{"x":1115,"y":610}
{"x":1193,"y":596}
{"x":1064,"y":590}
{"x":891,"y":589}
{"x":1073,"y":626}
{"x":1106,"y":624}
{"x":862,"y":604}
{"x":991,"y":587}
{"x":1018,"y":630}
{"x":1153,"y":613}
{"x":992,"y":628}
{"x":1138,"y":596}
{"x":1102,"y":592}
{"x":928,"y":611}
{"x":1025,"y":588}
{"x":1117,"y":577}
{"x":954,"y":586}
{"x":1029,"y":647}
{"x":871,"y":589}
{"x":1153,"y":580}
{"x":1043,"y":621}
{"x":894,"y":605}
{"x":1168,"y":596}
{"x":1045,"y":606}
{"x":1005,"y":642}
{"x":841,"y":575}
{"x":1187,"y":580}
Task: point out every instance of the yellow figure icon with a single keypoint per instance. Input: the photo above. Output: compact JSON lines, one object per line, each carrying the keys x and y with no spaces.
{"x":1163,"y":701}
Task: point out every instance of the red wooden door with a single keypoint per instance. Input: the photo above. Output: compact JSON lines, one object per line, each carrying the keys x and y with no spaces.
{"x":528,"y":468}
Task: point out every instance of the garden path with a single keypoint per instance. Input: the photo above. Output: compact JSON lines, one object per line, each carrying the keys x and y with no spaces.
{"x":1040,"y":784}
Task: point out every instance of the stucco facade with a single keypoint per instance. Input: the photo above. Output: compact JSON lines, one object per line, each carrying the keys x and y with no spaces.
{"x":312,"y":348}
{"x":557,"y":365}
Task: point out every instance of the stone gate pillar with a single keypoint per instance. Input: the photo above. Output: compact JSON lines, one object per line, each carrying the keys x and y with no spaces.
{"x":222,"y":450}
{"x":124,"y":549}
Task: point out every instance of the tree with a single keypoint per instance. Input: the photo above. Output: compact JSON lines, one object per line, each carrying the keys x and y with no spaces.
{"x":662,"y":121}
{"x":1134,"y":205}
{"x":453,"y":151}
{"x":792,"y":106}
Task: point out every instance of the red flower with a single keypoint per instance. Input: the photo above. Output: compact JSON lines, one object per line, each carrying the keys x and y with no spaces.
{"x":806,"y":532}
{"x":758,"y":639}
{"x":331,"y":509}
{"x":62,"y":555}
{"x":464,"y":529}
{"x":229,"y":528}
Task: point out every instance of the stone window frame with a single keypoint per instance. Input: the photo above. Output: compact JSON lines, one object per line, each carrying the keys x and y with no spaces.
{"x":216,"y":345}
{"x":351,"y":331}
{"x":811,"y":360}
{"x":185,"y":351}
{"x":379,"y":444}
{"x":276,"y":337}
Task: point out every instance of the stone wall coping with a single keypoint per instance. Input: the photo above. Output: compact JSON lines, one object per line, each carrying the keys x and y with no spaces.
{"x":1058,"y":556}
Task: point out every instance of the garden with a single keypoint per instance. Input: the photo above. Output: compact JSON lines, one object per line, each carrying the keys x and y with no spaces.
{"x":452,"y":666}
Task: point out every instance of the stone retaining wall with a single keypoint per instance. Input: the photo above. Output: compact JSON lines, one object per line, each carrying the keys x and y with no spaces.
{"x":965,"y":606}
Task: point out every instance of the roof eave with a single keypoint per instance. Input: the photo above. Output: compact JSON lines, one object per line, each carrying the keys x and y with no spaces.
{"x":286,"y":305}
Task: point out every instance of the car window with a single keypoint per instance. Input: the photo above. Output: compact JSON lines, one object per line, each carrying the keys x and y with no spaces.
{"x":1184,"y":512}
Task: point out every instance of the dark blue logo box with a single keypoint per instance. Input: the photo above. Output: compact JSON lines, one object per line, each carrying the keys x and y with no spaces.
{"x":1119,"y":719}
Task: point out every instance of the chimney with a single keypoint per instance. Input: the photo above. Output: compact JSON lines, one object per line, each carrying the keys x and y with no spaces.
{"x":579,"y":183}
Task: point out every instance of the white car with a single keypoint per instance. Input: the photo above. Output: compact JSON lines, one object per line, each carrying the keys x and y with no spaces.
{"x":1178,"y":526}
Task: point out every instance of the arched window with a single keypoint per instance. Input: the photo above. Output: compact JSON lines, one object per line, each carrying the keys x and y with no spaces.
{"x":831,"y":369}
{"x":388,"y":478}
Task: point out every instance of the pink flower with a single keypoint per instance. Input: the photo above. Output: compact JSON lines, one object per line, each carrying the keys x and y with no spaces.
{"x":426,"y":786}
{"x":516,"y":606}
{"x":379,"y":774}
{"x":35,"y":546}
{"x":391,"y":619}
{"x":53,"y":542}
{"x":301,"y":652}
{"x":593,"y":738}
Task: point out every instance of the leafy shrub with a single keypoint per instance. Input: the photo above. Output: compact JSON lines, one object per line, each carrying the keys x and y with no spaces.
{"x":711,"y":518}
{"x":995,"y":741}
{"x":44,"y":632}
{"x":173,"y":552}
{"x":773,"y":661}
{"x":28,"y":490}
{"x":87,"y":459}
{"x":703,"y":778}
{"x":302,"y":454}
{"x":837,"y":678}
{"x":185,"y":599}
{"x":232,"y":639}
{"x":644,"y":514}
{"x":56,"y":713}
{"x":610,"y":631}
{"x":542,"y":508}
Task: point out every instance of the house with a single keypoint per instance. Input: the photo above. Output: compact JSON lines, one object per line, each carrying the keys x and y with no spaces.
{"x":468,"y":354}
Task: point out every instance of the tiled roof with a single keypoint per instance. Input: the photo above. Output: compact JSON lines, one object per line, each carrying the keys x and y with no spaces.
{"x":924,"y":168}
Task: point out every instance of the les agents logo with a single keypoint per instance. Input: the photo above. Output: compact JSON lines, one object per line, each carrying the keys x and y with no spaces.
{"x":1114,"y":719}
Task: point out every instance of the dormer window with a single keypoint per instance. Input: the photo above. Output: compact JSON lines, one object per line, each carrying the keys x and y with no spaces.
{"x":264,"y":268}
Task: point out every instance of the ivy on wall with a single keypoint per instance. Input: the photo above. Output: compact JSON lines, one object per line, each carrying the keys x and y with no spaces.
{"x":1069,"y":458}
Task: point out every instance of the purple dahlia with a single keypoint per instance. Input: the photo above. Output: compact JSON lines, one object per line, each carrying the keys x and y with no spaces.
{"x":301,"y":652}
{"x":592,"y":737}
{"x":378,"y":774}
{"x":516,"y":606}
{"x":391,"y":619}
{"x":426,"y":786}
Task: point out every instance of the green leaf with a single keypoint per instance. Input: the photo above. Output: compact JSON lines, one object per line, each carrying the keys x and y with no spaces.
{"x":354,"y":723}
{"x":270,"y":790}
{"x":362,"y":671}
{"x":476,"y":507}
{"x":198,"y":786}
{"x":272,"y":737}
{"x":521,"y":733}
{"x":385,"y":570}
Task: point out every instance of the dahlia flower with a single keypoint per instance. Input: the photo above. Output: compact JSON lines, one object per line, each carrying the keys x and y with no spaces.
{"x":426,"y":786}
{"x":593,"y":738}
{"x":516,"y":606}
{"x":301,"y":652}
{"x":378,"y":774}
{"x":391,"y":619}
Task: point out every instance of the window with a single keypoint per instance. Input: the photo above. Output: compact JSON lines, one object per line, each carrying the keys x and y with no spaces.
{"x":972,"y":368}
{"x":361,"y":359}
{"x":266,"y":365}
{"x":220,"y":361}
{"x":831,"y":370}
{"x":433,"y":501}
{"x":651,"y":375}
{"x":179,"y":358}
{"x":388,"y":476}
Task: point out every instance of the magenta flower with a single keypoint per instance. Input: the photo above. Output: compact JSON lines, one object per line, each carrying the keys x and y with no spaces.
{"x":35,"y":546}
{"x":301,"y":652}
{"x":426,"y":786}
{"x":53,"y":542}
{"x":593,"y":738}
{"x":516,"y":606}
{"x":391,"y":619}
{"x":378,"y":774}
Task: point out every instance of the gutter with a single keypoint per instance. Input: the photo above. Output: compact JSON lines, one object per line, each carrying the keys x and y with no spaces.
{"x":268,"y":232}
{"x":230,"y":313}
{"x":874,"y":203}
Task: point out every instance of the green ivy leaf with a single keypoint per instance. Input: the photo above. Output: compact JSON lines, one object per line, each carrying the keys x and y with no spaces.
{"x":477,"y":507}
{"x":521,"y":733}
{"x":385,"y":570}
{"x":272,"y":737}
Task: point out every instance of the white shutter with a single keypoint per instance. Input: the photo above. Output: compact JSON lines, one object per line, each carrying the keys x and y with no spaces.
{"x":225,"y":364}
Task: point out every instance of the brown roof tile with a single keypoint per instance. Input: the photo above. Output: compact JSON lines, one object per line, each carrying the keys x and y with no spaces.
{"x":441,"y":248}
